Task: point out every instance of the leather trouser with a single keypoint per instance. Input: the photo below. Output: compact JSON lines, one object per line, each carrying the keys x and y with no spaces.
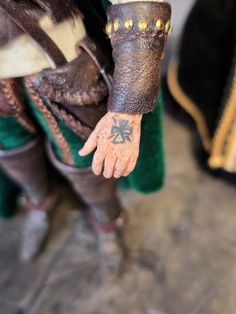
{"x":27,"y":166}
{"x":97,"y":192}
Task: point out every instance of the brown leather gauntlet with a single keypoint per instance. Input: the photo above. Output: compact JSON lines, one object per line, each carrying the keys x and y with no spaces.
{"x":138,"y":32}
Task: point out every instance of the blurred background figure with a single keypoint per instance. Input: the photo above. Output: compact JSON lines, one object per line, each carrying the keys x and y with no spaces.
{"x":202,"y":82}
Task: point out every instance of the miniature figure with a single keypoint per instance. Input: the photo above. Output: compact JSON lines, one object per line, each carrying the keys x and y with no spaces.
{"x":101,"y":116}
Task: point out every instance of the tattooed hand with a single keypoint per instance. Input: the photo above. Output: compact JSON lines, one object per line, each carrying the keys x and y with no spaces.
{"x":117,"y":138}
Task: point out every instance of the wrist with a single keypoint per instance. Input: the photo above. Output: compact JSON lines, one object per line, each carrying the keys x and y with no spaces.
{"x":136,"y":118}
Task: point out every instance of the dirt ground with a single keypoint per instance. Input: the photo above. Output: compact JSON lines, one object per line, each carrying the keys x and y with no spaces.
{"x":181,"y":245}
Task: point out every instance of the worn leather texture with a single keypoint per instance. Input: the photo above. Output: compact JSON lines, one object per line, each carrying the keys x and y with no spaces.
{"x":27,"y":166}
{"x":77,"y":83}
{"x":81,"y":120}
{"x":8,"y":28}
{"x":137,"y":56}
{"x":10,"y":98}
{"x":77,"y":93}
{"x":97,"y":192}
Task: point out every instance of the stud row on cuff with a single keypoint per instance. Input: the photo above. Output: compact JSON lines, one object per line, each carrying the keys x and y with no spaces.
{"x":143,"y":25}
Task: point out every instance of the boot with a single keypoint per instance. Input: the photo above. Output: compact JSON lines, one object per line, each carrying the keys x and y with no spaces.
{"x":99,"y":194}
{"x":28,"y":168}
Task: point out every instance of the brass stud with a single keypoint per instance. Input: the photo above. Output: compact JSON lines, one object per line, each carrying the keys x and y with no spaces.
{"x":116,"y":25}
{"x":143,"y":25}
{"x":168,"y":27}
{"x":109,"y":28}
{"x":159,"y":25}
{"x":129,"y":24}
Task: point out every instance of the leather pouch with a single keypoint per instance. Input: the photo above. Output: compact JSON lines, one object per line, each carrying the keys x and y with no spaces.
{"x":77,"y":93}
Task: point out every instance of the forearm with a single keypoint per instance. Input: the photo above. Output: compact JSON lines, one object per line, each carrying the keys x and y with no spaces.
{"x":138,"y":32}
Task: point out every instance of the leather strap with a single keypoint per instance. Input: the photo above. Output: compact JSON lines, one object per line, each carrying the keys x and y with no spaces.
{"x":30,"y":26}
{"x":108,"y":227}
{"x":99,"y":59}
{"x":72,"y":122}
{"x":46,"y":205}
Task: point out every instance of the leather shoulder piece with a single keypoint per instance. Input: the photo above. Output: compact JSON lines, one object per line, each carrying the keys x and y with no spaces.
{"x":138,"y":33}
{"x":29,"y":25}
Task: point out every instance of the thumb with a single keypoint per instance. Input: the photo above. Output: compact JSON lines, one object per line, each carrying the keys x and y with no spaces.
{"x":90,"y":145}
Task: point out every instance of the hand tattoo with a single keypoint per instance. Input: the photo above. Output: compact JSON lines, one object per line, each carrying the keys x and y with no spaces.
{"x":120,"y":131}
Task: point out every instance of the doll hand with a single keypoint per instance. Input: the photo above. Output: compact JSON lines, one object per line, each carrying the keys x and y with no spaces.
{"x":117,"y":138}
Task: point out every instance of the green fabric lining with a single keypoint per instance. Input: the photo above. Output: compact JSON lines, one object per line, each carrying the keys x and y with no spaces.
{"x":12,"y":134}
{"x":149,"y":173}
{"x":75,"y":143}
{"x":42,"y":122}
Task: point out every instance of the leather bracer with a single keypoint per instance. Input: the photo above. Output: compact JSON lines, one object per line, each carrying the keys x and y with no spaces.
{"x":138,"y":32}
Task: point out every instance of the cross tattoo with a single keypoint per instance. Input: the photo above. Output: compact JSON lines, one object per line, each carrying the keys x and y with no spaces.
{"x":120,"y":131}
